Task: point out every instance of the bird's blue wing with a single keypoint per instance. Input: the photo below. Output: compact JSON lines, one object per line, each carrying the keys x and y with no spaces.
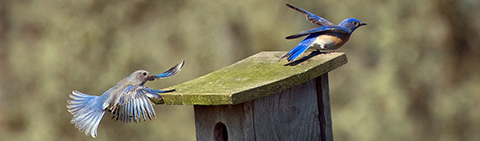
{"x":134,"y":103}
{"x":154,"y":91}
{"x":135,"y":110}
{"x":301,"y":47}
{"x":154,"y":94}
{"x":318,"y":30}
{"x":312,"y":17}
{"x":133,"y":91}
{"x":172,"y":71}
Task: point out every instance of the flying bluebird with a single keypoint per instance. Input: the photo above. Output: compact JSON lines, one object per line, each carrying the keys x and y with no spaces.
{"x":328,"y":37}
{"x":127,"y":101}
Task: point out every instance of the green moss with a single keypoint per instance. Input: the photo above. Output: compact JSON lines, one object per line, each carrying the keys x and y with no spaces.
{"x":254,"y":77}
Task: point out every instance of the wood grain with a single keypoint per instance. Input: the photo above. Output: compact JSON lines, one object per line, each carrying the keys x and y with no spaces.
{"x":289,"y":115}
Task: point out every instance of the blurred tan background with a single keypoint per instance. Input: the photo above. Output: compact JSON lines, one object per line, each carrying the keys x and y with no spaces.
{"x":413,"y":71}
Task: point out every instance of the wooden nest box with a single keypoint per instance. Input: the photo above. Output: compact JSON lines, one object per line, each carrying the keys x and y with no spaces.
{"x":262,"y":98}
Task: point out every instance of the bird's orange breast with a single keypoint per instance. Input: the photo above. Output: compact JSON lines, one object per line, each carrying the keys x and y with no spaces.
{"x":331,"y":41}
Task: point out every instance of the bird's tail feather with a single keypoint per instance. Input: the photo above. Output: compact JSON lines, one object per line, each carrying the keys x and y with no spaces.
{"x":86,"y":111}
{"x":300,"y":48}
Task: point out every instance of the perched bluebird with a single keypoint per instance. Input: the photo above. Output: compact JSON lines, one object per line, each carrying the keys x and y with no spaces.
{"x":127,"y":101}
{"x":328,"y":37}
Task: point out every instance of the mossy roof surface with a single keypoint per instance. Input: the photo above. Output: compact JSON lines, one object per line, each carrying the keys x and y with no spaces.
{"x":257,"y":76}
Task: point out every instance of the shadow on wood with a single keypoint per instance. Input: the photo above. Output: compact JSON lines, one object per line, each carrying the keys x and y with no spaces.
{"x":298,"y":61}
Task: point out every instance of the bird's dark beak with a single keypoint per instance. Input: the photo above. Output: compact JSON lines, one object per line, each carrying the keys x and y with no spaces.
{"x":363,"y":24}
{"x":151,"y":78}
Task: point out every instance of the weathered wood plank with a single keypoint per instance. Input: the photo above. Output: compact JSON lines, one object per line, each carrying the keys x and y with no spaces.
{"x":323,"y":101}
{"x":290,"y":115}
{"x":256,"y":76}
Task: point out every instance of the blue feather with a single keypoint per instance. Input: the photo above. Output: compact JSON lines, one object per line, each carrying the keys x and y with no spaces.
{"x":301,"y":47}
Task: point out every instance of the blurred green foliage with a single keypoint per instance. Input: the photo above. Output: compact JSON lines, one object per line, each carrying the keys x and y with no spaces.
{"x":413,"y":71}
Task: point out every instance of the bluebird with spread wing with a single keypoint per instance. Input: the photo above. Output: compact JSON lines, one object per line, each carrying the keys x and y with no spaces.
{"x":127,"y":101}
{"x":328,"y":37}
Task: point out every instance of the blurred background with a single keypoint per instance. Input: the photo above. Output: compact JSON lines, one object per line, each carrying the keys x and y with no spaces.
{"x":413,"y":71}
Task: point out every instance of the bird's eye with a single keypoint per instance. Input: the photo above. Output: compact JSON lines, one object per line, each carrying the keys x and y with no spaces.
{"x":144,"y":73}
{"x":355,"y":23}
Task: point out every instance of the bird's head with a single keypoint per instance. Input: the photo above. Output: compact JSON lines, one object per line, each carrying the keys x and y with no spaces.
{"x":139,"y":77}
{"x":351,"y":24}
